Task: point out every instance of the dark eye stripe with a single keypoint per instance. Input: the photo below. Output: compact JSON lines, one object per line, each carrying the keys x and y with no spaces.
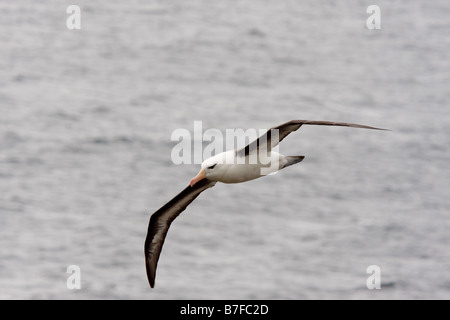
{"x":212,"y":167}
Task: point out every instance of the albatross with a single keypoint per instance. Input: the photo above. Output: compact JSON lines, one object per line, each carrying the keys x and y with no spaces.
{"x":255,"y":160}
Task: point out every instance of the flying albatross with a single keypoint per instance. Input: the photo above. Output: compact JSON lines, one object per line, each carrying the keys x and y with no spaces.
{"x":234,"y":166}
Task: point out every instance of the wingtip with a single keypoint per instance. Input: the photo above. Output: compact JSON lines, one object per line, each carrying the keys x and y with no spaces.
{"x":151,"y":281}
{"x":381,"y":129}
{"x":150,"y":272}
{"x":373,"y":128}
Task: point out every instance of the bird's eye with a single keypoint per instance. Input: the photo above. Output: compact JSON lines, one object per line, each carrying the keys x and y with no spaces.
{"x":212,"y":167}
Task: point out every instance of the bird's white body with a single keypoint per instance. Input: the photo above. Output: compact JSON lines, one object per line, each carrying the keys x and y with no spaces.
{"x":229,"y":167}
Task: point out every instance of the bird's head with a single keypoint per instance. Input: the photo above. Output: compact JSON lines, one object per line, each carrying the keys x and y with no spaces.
{"x":212,"y":168}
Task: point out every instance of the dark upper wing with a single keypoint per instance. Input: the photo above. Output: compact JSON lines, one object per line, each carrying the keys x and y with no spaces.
{"x":160,"y":222}
{"x":275,"y":135}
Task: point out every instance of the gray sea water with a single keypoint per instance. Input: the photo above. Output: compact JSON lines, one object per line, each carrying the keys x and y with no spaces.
{"x":86,"y":118}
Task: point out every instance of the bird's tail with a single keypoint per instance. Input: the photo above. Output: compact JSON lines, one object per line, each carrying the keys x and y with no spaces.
{"x":292,"y":160}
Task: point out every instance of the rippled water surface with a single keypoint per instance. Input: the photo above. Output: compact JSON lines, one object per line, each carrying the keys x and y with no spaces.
{"x":86,"y":119}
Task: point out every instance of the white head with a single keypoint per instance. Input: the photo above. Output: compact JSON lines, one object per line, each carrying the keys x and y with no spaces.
{"x":212,"y":168}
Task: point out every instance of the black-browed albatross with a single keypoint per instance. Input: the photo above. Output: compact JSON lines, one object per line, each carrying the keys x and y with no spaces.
{"x":233,"y":166}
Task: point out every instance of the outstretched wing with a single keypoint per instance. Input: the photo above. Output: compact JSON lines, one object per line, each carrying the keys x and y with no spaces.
{"x":275,"y":135}
{"x":160,"y":222}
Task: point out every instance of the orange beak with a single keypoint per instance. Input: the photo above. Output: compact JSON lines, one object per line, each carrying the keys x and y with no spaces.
{"x":200,"y":176}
